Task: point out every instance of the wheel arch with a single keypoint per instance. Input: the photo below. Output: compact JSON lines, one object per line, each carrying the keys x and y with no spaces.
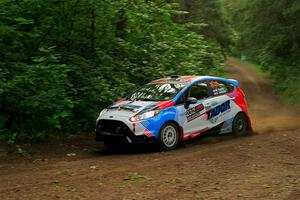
{"x":180,"y":128}
{"x":249,"y":125}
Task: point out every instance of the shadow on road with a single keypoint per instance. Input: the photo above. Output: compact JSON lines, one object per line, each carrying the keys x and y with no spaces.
{"x":154,"y":148}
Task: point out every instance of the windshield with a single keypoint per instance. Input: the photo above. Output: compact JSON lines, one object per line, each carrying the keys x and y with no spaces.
{"x":156,"y":92}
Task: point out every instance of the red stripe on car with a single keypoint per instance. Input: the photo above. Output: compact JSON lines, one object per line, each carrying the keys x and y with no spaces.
{"x":195,"y":134}
{"x":165,"y":104}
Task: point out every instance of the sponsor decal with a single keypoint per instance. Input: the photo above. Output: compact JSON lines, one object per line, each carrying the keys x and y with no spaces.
{"x":194,"y":112}
{"x":218,"y":91}
{"x":148,"y":133}
{"x":216,"y":111}
{"x":208,"y":107}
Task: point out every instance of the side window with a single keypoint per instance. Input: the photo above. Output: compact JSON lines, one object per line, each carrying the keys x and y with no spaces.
{"x":203,"y":90}
{"x":230,"y":87}
{"x":219,"y":87}
{"x":199,"y":90}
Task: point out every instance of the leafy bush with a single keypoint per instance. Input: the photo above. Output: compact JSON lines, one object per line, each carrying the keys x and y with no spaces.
{"x":268,"y":34}
{"x":63,"y":61}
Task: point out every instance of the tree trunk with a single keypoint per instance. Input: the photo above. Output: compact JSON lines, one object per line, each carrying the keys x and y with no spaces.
{"x":93,"y":31}
{"x":121,"y":24}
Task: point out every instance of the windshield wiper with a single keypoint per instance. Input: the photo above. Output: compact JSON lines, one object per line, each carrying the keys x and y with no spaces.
{"x":141,"y":99}
{"x":147,"y":99}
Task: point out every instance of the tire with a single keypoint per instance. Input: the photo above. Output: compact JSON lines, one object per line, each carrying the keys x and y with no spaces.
{"x":240,"y":125}
{"x":168,"y":137}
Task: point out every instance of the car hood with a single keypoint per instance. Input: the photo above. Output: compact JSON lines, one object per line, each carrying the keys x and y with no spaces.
{"x":131,"y":108}
{"x":127,"y":108}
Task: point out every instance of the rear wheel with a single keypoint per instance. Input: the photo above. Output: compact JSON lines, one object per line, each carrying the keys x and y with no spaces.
{"x":168,"y":136}
{"x":240,"y":124}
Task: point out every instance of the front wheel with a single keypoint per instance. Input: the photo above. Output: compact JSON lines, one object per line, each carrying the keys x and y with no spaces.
{"x":240,"y":124}
{"x":168,"y":136}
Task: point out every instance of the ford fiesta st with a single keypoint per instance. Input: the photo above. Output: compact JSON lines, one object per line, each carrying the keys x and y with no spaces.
{"x":174,"y":109}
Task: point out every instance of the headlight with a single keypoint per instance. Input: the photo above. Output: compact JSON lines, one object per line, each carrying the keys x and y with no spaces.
{"x":145,"y":115}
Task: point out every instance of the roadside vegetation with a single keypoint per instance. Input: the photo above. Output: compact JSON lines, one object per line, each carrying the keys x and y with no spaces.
{"x":61,"y":62}
{"x":267,"y":33}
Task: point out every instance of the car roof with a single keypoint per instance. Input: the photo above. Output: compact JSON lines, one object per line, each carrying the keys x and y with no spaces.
{"x":183,"y":79}
{"x":190,"y":79}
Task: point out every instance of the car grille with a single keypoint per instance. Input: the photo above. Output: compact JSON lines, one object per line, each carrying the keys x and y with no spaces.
{"x":113,"y":127}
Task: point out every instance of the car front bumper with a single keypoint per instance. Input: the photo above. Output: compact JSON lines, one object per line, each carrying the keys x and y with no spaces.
{"x":118,"y":131}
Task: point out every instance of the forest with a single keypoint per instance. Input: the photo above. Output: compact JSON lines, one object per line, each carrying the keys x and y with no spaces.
{"x":62,"y":61}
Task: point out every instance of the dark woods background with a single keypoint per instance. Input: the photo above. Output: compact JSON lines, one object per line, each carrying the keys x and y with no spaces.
{"x":62,"y":61}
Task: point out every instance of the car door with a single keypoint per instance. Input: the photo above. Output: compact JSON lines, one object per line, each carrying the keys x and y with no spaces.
{"x":219,"y":108}
{"x":193,"y":119}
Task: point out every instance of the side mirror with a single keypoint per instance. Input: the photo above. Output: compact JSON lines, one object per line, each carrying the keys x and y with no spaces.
{"x":189,"y":101}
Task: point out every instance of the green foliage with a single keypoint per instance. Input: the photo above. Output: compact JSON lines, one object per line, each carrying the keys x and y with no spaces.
{"x":268,"y":34}
{"x":63,"y":61}
{"x":214,"y":27}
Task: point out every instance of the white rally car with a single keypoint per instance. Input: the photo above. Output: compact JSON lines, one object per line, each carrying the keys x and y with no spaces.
{"x":174,"y":109}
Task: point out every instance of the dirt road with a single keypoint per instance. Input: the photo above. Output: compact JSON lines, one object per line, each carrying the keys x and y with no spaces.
{"x":262,"y":166}
{"x":268,"y":112}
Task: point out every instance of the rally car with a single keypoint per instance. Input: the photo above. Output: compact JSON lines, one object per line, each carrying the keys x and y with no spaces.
{"x":174,"y":109}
